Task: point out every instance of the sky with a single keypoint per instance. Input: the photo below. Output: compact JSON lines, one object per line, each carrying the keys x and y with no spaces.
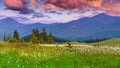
{"x":56,"y":11}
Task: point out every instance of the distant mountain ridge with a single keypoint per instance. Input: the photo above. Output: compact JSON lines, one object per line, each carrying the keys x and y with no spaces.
{"x":86,"y":28}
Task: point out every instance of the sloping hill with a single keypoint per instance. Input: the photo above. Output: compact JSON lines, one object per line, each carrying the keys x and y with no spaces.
{"x":111,"y":42}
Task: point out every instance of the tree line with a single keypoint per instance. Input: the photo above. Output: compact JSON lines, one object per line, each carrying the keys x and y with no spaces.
{"x":34,"y":37}
{"x":95,"y":40}
{"x":43,"y":37}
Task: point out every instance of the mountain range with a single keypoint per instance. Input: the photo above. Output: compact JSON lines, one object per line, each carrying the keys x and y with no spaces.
{"x":99,"y":26}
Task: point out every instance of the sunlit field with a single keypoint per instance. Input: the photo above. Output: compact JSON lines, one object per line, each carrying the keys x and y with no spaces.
{"x":27,"y":55}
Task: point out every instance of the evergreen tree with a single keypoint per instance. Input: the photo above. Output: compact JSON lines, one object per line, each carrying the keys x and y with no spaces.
{"x":16,"y":35}
{"x":34,"y":37}
{"x":4,"y":38}
{"x":33,"y":32}
{"x":43,"y":36}
{"x":50,"y":38}
{"x":37,"y":33}
{"x":9,"y":37}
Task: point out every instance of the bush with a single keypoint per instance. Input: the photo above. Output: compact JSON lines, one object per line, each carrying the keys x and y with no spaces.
{"x":69,"y":45}
{"x":21,"y":40}
{"x":13,"y":40}
{"x":96,"y":44}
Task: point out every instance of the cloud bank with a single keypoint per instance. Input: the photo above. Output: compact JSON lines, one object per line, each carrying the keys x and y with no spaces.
{"x":105,"y":5}
{"x":45,"y":9}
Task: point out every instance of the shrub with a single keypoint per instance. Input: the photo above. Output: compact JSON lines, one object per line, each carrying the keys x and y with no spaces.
{"x":96,"y":44}
{"x":21,"y":40}
{"x":13,"y":40}
{"x":69,"y":45}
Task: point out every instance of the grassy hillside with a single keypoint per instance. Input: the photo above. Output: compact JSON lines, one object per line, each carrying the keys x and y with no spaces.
{"x":26,"y":55}
{"x":111,"y":42}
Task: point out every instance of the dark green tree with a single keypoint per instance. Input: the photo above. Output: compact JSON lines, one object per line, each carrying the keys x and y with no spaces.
{"x":4,"y":38}
{"x":33,"y":32}
{"x":9,"y":37}
{"x":37,"y":34}
{"x":34,"y":37}
{"x":50,"y":38}
{"x":16,"y":35}
{"x":43,"y":36}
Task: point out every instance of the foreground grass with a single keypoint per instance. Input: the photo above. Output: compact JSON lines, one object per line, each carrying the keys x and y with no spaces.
{"x":35,"y":56}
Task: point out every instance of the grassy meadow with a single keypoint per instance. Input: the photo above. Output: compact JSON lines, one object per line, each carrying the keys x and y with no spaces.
{"x":27,"y":55}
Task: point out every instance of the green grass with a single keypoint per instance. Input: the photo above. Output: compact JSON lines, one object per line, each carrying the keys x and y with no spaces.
{"x":35,"y":56}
